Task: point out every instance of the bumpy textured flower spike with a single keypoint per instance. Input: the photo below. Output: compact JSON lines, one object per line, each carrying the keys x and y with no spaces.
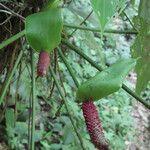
{"x":43,"y":63}
{"x":94,"y":127}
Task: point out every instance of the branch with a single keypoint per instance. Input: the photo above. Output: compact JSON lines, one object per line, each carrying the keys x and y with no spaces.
{"x":22,"y":33}
{"x":98,"y":30}
{"x":12,"y":12}
{"x":68,"y":67}
{"x":33,"y":101}
{"x":131,"y":23}
{"x":8,"y":80}
{"x":82,"y":22}
{"x":12,"y":39}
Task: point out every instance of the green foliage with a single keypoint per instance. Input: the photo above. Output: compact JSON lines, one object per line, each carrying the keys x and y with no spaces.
{"x":141,"y":46}
{"x":144,"y":10}
{"x":16,"y":131}
{"x":105,"y":10}
{"x":10,"y":118}
{"x":53,"y":127}
{"x":116,"y":119}
{"x":43,"y":29}
{"x":10,"y":122}
{"x":106,"y":82}
{"x":51,"y":4}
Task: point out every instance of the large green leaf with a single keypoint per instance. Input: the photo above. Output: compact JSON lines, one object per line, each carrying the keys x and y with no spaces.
{"x":105,"y":9}
{"x":141,"y":46}
{"x":43,"y":29}
{"x":144,"y":10}
{"x":106,"y":82}
{"x":141,"y":50}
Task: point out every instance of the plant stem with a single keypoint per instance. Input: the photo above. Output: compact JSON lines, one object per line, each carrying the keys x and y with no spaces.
{"x":66,"y":107}
{"x":98,"y":30}
{"x":12,"y":39}
{"x":29,"y":121}
{"x":68,"y":67}
{"x":131,"y":23}
{"x":82,"y":22}
{"x":128,"y":90}
{"x":70,"y":71}
{"x":8,"y":80}
{"x":20,"y":34}
{"x":33,"y":101}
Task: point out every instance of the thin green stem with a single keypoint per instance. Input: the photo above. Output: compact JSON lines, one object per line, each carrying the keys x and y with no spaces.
{"x":131,"y":23}
{"x":82,"y":22}
{"x":8,"y":80}
{"x":22,"y":33}
{"x":128,"y":90}
{"x":12,"y":39}
{"x":66,"y":107}
{"x":33,"y":101}
{"x":98,"y":30}
{"x":71,"y":73}
{"x":68,"y":66}
{"x":29,"y":122}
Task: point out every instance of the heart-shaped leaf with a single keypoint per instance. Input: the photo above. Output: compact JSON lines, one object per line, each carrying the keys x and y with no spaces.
{"x":43,"y":29}
{"x":106,"y":82}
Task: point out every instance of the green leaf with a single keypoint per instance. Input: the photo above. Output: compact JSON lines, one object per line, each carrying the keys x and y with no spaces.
{"x":105,"y":9}
{"x":144,"y":10}
{"x":106,"y":82}
{"x":10,"y":121}
{"x":141,"y":46}
{"x":43,"y":29}
{"x":141,"y":50}
{"x":68,"y":136}
{"x":21,"y":128}
{"x":10,"y":118}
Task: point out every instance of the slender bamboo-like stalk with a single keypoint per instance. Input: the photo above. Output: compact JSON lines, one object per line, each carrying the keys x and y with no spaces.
{"x":98,"y":30}
{"x":66,"y":107}
{"x":29,"y":121}
{"x":71,"y":74}
{"x":82,"y":22}
{"x":8,"y":80}
{"x":131,"y":23}
{"x":22,"y":33}
{"x":12,"y":39}
{"x":68,"y":67}
{"x":128,"y":90}
{"x":33,"y":101}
